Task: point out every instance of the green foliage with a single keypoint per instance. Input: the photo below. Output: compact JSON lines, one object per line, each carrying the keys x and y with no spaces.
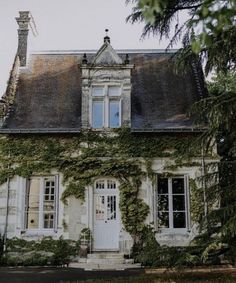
{"x":211,"y":21}
{"x":196,"y":202}
{"x":91,"y":155}
{"x":133,"y":210}
{"x":45,"y":252}
{"x":218,"y":228}
{"x":146,"y":249}
{"x":149,"y":253}
{"x":85,"y":235}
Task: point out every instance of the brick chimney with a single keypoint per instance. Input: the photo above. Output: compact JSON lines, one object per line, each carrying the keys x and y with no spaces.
{"x":23,"y":21}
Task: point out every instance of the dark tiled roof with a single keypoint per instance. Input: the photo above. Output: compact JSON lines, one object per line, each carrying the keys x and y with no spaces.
{"x":161,"y":99}
{"x":49,"y":94}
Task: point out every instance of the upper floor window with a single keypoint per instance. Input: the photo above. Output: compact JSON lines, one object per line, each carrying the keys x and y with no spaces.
{"x":172,"y":203}
{"x":106,"y":106}
{"x":40,"y":203}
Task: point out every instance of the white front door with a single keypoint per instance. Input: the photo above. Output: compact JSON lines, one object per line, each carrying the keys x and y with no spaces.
{"x":106,"y":215}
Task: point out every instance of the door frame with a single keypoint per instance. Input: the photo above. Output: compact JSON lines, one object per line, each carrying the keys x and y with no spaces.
{"x":91,"y":211}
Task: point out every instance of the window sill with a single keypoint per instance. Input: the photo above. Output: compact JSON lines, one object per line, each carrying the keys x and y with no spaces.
{"x":173,"y":231}
{"x":37,"y":232}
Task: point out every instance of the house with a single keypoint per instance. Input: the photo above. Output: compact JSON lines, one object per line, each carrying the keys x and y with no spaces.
{"x":93,"y":139}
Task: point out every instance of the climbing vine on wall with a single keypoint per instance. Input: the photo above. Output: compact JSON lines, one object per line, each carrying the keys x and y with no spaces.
{"x":89,"y":155}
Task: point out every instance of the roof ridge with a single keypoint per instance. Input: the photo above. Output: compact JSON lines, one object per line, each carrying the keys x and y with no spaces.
{"x":94,"y":51}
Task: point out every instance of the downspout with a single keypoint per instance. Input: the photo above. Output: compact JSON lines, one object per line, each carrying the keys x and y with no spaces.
{"x":204,"y":183}
{"x":6,"y":219}
{"x":7,"y":209}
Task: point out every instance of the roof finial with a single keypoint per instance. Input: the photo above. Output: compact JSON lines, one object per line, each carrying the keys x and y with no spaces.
{"x":126,"y":59}
{"x":84,"y":60}
{"x":107,"y":38}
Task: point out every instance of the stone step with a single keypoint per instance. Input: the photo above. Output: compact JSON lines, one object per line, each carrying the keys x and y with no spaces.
{"x":105,"y":261}
{"x":104,"y":255}
{"x":93,"y":266}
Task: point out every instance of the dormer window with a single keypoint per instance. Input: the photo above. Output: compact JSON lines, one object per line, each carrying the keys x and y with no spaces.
{"x":106,"y":106}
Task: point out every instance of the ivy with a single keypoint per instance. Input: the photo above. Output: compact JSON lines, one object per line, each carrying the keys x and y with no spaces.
{"x":81,"y":159}
{"x":197,"y":202}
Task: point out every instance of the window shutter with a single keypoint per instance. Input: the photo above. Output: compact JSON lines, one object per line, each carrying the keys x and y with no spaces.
{"x":187,"y":195}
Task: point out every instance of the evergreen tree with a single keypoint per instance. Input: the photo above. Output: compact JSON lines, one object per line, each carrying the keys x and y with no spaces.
{"x":209,"y":32}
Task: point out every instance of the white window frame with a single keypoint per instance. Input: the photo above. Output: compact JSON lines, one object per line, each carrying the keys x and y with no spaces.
{"x":171,"y":229}
{"x":105,"y":98}
{"x":41,"y":228}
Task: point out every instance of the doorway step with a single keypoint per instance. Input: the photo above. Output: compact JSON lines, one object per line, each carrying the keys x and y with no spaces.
{"x":105,"y":261}
{"x":106,"y":258}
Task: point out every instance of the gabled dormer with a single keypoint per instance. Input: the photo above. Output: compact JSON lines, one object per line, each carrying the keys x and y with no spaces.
{"x":106,"y":87}
{"x":106,"y":55}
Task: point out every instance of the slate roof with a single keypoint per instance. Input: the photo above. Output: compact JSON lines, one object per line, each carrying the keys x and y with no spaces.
{"x":48,"y":97}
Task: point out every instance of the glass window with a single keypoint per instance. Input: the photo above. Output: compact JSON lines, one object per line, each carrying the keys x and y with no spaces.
{"x":106,"y":106}
{"x":40,"y":206}
{"x":114,"y":91}
{"x":100,"y":207}
{"x":97,"y":91}
{"x":105,"y":200}
{"x":114,"y":114}
{"x":100,"y":184}
{"x":32,"y":204}
{"x":111,"y":184}
{"x":97,"y":114}
{"x":111,"y":207}
{"x":171,"y":203}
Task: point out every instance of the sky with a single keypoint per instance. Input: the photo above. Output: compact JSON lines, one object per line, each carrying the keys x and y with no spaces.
{"x":69,"y":25}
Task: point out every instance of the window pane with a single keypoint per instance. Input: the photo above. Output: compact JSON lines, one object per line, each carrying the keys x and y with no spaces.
{"x":32,"y":204}
{"x":111,"y":207}
{"x":179,"y":220}
{"x":48,"y":220}
{"x":163,"y":219}
{"x":97,"y":114}
{"x":163,"y":203}
{"x":162,"y":186}
{"x":111,"y":184}
{"x":97,"y":91}
{"x":49,"y":190}
{"x":114,"y":91}
{"x":114,"y":114}
{"x":49,"y":204}
{"x":178,"y":186}
{"x":178,"y":202}
{"x":100,"y":184}
{"x":100,"y":207}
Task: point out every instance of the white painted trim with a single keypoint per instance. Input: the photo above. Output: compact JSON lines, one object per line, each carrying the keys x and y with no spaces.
{"x":40,"y":230}
{"x":171,"y":229}
{"x":106,"y":103}
{"x":21,"y":194}
{"x":106,"y":191}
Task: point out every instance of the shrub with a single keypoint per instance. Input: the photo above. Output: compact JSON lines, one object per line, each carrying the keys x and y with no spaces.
{"x":46,"y":252}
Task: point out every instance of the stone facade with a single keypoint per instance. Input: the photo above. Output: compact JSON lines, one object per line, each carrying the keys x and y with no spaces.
{"x":77,"y":215}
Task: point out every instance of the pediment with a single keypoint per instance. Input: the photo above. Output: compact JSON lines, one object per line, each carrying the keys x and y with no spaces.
{"x":106,"y":55}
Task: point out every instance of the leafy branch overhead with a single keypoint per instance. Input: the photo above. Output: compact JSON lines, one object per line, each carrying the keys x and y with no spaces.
{"x":209,"y":26}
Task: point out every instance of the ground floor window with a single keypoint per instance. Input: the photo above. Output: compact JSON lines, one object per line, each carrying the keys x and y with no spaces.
{"x":41,"y":203}
{"x":172,"y":202}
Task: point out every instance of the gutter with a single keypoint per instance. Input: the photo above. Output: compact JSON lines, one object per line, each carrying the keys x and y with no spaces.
{"x":39,"y":130}
{"x":164,"y":130}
